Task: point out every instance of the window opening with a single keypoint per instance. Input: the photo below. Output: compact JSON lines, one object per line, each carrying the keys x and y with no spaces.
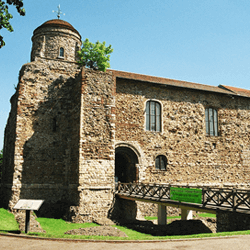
{"x":54,"y":124}
{"x":153,"y":116}
{"x":161,"y":162}
{"x":211,"y":117}
{"x":61,"y":52}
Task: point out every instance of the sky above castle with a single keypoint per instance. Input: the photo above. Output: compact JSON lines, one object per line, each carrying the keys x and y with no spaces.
{"x":199,"y":41}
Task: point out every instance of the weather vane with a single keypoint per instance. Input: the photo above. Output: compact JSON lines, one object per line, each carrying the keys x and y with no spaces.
{"x":58,"y":11}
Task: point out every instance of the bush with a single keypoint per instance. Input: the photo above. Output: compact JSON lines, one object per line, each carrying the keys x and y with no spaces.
{"x":95,"y":55}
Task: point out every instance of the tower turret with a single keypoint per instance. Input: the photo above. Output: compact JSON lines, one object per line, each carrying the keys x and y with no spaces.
{"x":56,"y":39}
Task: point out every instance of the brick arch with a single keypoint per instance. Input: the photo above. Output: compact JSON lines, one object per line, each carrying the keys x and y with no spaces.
{"x":134,"y":148}
{"x":126,"y":163}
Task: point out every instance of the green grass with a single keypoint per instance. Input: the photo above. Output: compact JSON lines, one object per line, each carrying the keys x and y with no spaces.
{"x":59,"y":226}
{"x":7,"y":221}
{"x":207,"y":215}
{"x":55,"y":228}
{"x":155,"y":217}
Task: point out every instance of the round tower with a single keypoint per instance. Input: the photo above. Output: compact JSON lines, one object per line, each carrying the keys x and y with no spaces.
{"x":56,"y":39}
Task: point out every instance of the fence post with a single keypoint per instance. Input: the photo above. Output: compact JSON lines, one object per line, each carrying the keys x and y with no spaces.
{"x":162,"y":215}
{"x":203,"y":196}
{"x":234,"y":194}
{"x":118,"y":187}
{"x":131,"y":188}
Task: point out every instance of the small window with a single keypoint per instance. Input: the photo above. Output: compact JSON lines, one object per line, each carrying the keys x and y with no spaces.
{"x":211,"y":117}
{"x":153,"y":116}
{"x":54,"y":124}
{"x":161,"y":162}
{"x":61,"y":52}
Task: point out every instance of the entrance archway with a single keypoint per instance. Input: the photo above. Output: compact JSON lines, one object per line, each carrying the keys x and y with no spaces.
{"x":125,"y":165}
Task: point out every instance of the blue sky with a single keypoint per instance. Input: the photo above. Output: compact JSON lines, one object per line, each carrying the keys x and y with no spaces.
{"x":202,"y":41}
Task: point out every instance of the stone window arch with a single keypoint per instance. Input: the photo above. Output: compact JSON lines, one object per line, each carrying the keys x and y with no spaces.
{"x":153,"y":116}
{"x":161,"y":162}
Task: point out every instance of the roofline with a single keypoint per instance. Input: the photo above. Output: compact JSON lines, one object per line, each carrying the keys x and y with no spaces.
{"x":59,"y":23}
{"x":173,"y":83}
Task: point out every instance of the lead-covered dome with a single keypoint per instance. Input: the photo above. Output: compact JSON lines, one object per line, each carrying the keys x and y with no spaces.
{"x":56,"y":39}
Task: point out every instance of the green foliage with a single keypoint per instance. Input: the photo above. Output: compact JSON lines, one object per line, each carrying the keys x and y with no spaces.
{"x":7,"y":221}
{"x":1,"y":163}
{"x":1,"y":157}
{"x":95,"y":55}
{"x":5,"y":16}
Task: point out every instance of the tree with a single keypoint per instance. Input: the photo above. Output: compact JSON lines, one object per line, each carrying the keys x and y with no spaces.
{"x":95,"y":55}
{"x":1,"y":163}
{"x":5,"y":16}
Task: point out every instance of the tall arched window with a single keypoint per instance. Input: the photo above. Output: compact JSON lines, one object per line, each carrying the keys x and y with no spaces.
{"x":153,"y":116}
{"x":61,"y":52}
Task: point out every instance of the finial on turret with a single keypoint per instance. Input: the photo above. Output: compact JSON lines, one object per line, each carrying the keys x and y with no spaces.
{"x":58,"y":11}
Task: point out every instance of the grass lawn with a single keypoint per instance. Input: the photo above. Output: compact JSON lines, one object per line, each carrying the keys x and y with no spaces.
{"x":7,"y":221}
{"x":207,"y":215}
{"x":55,"y":228}
{"x":155,"y":217}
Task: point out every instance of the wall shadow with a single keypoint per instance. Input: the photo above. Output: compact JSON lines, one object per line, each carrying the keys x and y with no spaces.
{"x":51,"y":155}
{"x":178,"y":227}
{"x":7,"y":168}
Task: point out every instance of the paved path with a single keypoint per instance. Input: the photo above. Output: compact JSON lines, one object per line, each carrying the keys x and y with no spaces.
{"x":223,"y":243}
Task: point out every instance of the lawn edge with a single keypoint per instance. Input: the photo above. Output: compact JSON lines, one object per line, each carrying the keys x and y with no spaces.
{"x":115,"y":241}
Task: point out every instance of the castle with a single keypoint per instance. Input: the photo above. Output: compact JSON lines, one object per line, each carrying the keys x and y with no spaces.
{"x":73,"y":132}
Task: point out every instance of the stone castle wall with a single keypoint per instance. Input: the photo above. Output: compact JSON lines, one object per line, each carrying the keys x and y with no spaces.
{"x":65,"y":124}
{"x":46,"y":129}
{"x":193,"y":157}
{"x":96,"y":166}
{"x":61,"y":137}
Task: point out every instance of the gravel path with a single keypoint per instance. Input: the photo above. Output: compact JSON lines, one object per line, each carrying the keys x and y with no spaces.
{"x":224,"y":243}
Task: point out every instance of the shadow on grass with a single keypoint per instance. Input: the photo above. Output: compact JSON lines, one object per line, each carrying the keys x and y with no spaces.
{"x":11,"y":231}
{"x":178,"y":227}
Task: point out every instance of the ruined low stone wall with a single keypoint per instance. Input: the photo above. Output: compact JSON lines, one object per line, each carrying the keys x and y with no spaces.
{"x":232,"y":221}
{"x":151,"y":209}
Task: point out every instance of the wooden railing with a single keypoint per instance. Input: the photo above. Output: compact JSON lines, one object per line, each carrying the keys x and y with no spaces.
{"x":213,"y":198}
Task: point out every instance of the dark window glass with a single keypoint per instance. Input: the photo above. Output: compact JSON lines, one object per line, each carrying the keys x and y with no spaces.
{"x":161,"y":162}
{"x":153,"y":116}
{"x":61,"y":53}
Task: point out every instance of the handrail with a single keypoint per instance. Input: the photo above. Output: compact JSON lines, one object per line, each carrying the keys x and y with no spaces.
{"x":232,"y":199}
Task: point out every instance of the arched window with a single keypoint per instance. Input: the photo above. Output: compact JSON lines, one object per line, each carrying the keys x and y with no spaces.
{"x":160,"y":162}
{"x":211,"y":117}
{"x":61,"y":52}
{"x":153,"y":116}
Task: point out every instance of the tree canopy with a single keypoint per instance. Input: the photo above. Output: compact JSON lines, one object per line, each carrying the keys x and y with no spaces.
{"x":95,"y":55}
{"x":1,"y":157}
{"x":1,"y":162}
{"x":5,"y":16}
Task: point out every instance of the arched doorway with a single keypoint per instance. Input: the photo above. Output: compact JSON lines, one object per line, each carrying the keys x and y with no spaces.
{"x":125,"y":165}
